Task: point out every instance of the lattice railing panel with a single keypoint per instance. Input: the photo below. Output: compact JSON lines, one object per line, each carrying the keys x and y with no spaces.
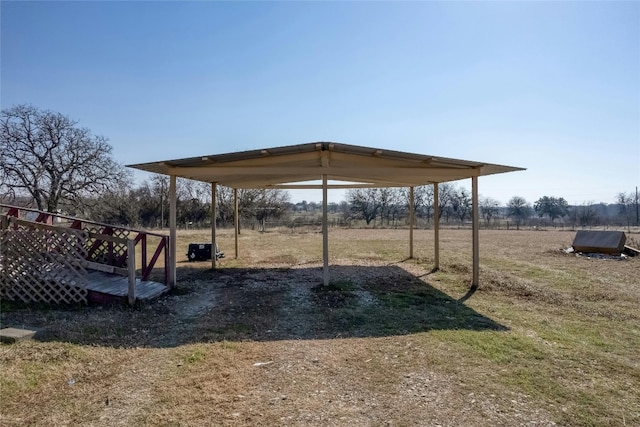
{"x":107,"y":252}
{"x":106,"y":244}
{"x":43,"y":265}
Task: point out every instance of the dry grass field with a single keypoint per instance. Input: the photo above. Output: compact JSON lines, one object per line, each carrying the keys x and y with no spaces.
{"x":547,"y":339}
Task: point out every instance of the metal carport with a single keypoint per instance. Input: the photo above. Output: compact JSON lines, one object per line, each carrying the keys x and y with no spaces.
{"x":292,"y":167}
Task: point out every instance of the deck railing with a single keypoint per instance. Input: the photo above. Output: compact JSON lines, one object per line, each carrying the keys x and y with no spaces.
{"x":108,"y":243}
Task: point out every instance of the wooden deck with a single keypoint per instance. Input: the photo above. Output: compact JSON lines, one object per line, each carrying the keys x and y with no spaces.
{"x":117,"y":286}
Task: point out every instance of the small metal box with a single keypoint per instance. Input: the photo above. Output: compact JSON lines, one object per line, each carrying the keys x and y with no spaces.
{"x":202,"y":252}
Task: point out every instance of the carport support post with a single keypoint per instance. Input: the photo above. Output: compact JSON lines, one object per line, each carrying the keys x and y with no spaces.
{"x":325,"y":233}
{"x":236,"y":219}
{"x":172,"y":231}
{"x":436,"y":227}
{"x":411,"y":221}
{"x":476,"y":234}
{"x":214,"y":187}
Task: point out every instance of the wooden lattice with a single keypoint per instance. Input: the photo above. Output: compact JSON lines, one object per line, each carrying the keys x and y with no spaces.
{"x":107,"y":252}
{"x":106,"y":244}
{"x":43,"y":264}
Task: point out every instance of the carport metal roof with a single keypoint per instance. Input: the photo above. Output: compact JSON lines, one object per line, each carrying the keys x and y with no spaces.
{"x":281,"y":167}
{"x":346,"y":166}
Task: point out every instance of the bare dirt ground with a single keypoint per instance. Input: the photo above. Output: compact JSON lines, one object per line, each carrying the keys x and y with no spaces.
{"x":548,"y":339}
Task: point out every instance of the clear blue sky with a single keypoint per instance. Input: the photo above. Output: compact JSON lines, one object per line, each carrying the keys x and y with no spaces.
{"x":550,"y":86}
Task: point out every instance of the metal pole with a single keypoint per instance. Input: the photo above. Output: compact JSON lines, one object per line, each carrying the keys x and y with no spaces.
{"x":325,"y":233}
{"x":236,"y":218}
{"x":172,"y":231}
{"x":475,"y":232}
{"x":436,"y":227}
{"x":411,"y":221}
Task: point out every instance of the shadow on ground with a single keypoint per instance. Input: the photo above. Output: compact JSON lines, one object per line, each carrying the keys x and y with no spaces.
{"x":260,"y":304}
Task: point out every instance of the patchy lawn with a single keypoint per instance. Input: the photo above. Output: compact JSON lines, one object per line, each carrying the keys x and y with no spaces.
{"x":547,"y":339}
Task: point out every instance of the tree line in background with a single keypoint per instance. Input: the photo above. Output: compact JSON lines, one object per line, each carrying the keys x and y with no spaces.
{"x":51,"y":163}
{"x":388,"y":205}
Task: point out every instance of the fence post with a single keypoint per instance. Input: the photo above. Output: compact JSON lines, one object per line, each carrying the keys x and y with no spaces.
{"x":131,"y":266}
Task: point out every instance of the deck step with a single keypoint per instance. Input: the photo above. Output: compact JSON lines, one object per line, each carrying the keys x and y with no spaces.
{"x":118,"y":286}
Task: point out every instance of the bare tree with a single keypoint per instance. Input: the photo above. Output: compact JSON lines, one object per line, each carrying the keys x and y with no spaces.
{"x":364,"y":203}
{"x":390,"y":204}
{"x":345,"y":211}
{"x":193,"y":202}
{"x":118,"y":205}
{"x":149,"y":205}
{"x":422,"y":200}
{"x":253,"y":204}
{"x":446,"y":192}
{"x":7,"y":194}
{"x":585,"y":214}
{"x":47,"y":156}
{"x":627,"y":208}
{"x":489,"y":208}
{"x":519,"y":210}
{"x":271,"y":203}
{"x":159,"y":187}
{"x":461,"y":203}
{"x":224,"y":205}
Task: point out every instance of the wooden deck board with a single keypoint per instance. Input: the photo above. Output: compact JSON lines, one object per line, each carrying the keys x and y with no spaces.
{"x":112,"y":284}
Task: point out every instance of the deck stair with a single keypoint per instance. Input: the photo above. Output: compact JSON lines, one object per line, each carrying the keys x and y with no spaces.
{"x":109,"y":287}
{"x":46,"y":257}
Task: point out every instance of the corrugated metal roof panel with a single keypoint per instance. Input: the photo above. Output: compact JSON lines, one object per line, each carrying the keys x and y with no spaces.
{"x":343,"y":162}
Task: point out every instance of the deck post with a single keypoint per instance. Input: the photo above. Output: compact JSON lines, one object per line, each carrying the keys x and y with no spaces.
{"x":475,"y":232}
{"x":236,"y":218}
{"x":411,"y":221}
{"x":131,"y":267}
{"x":436,"y":227}
{"x":214,"y":187}
{"x":172,"y":231}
